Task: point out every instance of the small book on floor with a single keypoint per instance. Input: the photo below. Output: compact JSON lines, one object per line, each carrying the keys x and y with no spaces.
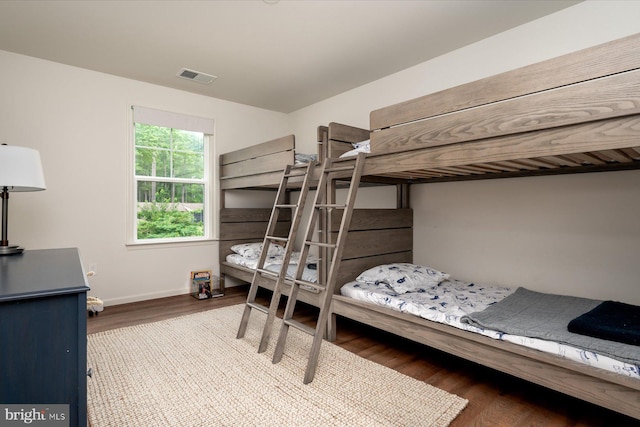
{"x":204,"y":285}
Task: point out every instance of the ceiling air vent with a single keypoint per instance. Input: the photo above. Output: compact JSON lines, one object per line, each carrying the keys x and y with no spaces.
{"x":196,"y":76}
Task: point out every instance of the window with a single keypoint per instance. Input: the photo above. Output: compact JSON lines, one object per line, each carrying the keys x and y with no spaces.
{"x":171,"y":176}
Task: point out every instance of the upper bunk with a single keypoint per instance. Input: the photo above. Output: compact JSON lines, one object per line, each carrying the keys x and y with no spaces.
{"x":257,"y":166}
{"x":575,"y":113}
{"x":260,"y":166}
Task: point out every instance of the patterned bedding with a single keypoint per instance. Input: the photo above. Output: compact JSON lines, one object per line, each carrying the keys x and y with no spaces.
{"x":274,"y":263}
{"x":449,"y":300}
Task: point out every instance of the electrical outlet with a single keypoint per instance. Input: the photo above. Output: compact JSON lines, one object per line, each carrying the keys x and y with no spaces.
{"x":93,"y":268}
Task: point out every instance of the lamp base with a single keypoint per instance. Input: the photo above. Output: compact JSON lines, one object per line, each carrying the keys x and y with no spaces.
{"x":10,"y":250}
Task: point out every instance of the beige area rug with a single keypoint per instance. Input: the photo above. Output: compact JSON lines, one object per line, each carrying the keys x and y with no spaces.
{"x":192,"y":371}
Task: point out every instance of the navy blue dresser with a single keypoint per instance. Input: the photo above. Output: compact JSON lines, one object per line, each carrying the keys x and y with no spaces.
{"x":43,"y":330}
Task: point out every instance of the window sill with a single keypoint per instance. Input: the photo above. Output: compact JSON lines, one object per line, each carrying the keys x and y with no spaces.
{"x":169,"y":244}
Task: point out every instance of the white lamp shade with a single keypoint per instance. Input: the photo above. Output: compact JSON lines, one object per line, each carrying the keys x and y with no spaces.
{"x":20,"y":169}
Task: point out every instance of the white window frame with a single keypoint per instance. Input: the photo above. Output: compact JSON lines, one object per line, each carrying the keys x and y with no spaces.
{"x":161,"y":118}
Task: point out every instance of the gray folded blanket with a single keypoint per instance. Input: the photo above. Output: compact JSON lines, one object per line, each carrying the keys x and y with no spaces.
{"x":546,"y":316}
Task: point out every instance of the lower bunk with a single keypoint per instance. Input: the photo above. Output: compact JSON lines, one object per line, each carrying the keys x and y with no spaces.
{"x":420,"y":315}
{"x":376,"y":236}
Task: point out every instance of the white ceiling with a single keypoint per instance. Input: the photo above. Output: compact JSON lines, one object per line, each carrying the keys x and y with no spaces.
{"x":281,"y":56}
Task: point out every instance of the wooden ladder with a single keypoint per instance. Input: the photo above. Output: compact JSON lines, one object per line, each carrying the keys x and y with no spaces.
{"x":329,"y":174}
{"x":291,"y":174}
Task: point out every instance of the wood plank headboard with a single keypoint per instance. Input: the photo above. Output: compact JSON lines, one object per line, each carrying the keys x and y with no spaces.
{"x":376,"y":236}
{"x":244,"y":225}
{"x":259,"y":165}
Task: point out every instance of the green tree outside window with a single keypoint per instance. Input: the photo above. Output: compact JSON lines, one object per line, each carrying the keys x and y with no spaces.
{"x":170,"y":187}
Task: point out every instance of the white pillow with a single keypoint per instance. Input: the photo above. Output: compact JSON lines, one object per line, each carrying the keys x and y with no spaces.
{"x":253,"y":250}
{"x":403,"y":277}
{"x":364,"y":146}
{"x":358,"y":147}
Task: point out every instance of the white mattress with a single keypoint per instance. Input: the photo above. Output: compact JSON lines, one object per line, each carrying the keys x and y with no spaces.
{"x":450,"y":300}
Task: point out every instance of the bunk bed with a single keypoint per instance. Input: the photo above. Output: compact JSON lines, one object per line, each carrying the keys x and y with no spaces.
{"x":261,"y":167}
{"x":576,"y":113}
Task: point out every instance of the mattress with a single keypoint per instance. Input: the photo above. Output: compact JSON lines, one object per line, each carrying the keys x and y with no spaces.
{"x":274,"y":263}
{"x":450,"y":300}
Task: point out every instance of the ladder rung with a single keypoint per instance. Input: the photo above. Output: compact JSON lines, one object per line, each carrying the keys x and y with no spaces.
{"x":310,"y":289}
{"x":276,"y":239}
{"x":310,"y":286}
{"x":330,"y":206}
{"x":299,"y":166}
{"x":258,"y":307}
{"x":267,"y":272}
{"x":294,"y":175}
{"x":324,"y":245}
{"x":339,"y":169}
{"x":285,"y":206}
{"x":301,"y":326}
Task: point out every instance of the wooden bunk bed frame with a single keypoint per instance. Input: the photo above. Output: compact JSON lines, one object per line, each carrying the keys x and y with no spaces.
{"x":576,"y":113}
{"x":376,"y":236}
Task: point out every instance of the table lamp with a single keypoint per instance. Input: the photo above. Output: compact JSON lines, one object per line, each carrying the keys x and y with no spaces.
{"x":20,"y":170}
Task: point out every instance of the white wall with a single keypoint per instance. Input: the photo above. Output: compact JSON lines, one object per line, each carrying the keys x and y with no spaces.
{"x":583,"y":25}
{"x":575,"y":234}
{"x":79,"y":120}
{"x":567,"y":234}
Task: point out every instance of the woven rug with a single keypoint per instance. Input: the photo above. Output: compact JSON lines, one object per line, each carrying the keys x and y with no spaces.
{"x":192,"y":371}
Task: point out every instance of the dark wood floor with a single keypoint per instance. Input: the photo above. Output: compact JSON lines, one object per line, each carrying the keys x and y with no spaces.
{"x":495,"y":399}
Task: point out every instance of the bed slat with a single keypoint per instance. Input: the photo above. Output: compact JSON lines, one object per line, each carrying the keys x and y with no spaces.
{"x":250,"y":215}
{"x":602,"y":60}
{"x":615,"y":133}
{"x":271,"y":179}
{"x":285,"y":143}
{"x":612,"y":96}
{"x":374,"y":219}
{"x":251,"y":230}
{"x":367,"y":243}
{"x":346,"y":133}
{"x":259,"y":165}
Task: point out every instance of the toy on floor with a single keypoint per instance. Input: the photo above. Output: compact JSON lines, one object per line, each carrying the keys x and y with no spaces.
{"x":94,"y":305}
